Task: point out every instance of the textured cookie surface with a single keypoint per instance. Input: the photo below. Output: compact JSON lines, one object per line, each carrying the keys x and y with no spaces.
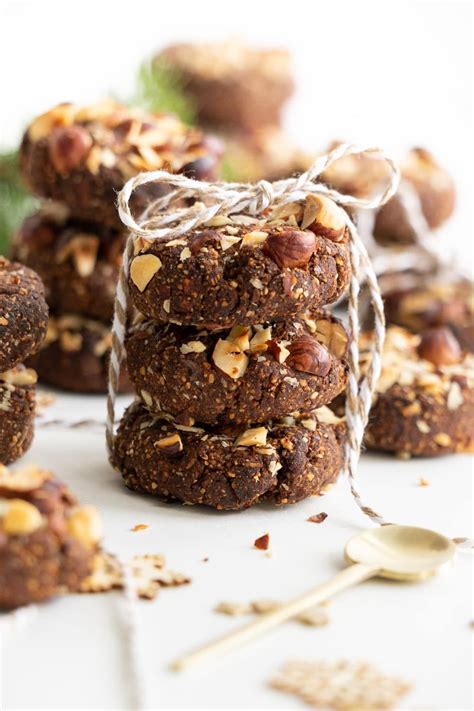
{"x":17,"y":412}
{"x":422,"y":406}
{"x":83,"y":156}
{"x":241,"y":270}
{"x":228,"y":469}
{"x":248,"y":374}
{"x":23,"y":313}
{"x":78,"y":261}
{"x":75,"y":355}
{"x":47,"y":542}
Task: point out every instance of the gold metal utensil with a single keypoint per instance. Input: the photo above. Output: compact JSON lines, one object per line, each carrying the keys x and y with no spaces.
{"x":397,"y":552}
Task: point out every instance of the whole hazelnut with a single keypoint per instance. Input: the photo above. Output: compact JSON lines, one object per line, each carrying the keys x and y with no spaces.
{"x":68,"y":146}
{"x":440,"y":347}
{"x":309,"y":356}
{"x":290,"y":248}
{"x":324,"y":218}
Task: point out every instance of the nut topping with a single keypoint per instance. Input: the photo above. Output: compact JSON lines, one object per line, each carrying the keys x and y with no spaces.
{"x":21,"y":518}
{"x":278,"y":350}
{"x":27,"y":478}
{"x":324,"y":217}
{"x":290,"y":248}
{"x":229,"y":358}
{"x":260,"y":340}
{"x":240,"y":336}
{"x":332,"y":335}
{"x":170,"y":445}
{"x":68,"y":147}
{"x":255,"y":437}
{"x":83,"y":249}
{"x":143,"y":269}
{"x":85,"y":525}
{"x":440,"y":347}
{"x":309,"y":356}
{"x":192,"y":347}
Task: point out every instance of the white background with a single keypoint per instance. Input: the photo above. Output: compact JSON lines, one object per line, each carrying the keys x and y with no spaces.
{"x":388,"y":73}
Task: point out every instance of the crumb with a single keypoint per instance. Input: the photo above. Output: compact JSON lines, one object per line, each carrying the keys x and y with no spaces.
{"x":140,"y":527}
{"x":263,"y":542}
{"x":318,"y":518}
{"x":423,"y":482}
{"x":205,"y":560}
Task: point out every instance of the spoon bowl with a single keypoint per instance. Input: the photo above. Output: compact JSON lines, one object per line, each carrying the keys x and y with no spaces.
{"x":401,"y":552}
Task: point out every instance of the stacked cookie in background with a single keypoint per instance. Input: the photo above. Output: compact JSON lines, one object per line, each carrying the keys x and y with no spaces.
{"x":77,"y":159}
{"x":234,"y":359}
{"x":240,"y":92}
{"x":23,"y":323}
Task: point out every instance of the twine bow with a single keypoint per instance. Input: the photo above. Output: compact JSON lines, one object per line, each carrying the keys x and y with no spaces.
{"x":163,"y":220}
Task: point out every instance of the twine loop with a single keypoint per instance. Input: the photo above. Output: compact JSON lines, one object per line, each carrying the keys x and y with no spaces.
{"x":165,"y":218}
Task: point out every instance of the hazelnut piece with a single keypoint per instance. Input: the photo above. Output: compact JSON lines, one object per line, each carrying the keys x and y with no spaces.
{"x":28,"y":478}
{"x":83,"y":249}
{"x":229,"y":358}
{"x":68,"y":146}
{"x":143,"y":269}
{"x":333,"y":335}
{"x":240,"y":335}
{"x":290,"y":248}
{"x":85,"y":525}
{"x":260,"y":340}
{"x":21,"y":518}
{"x":440,"y":347}
{"x":170,"y":445}
{"x":309,"y":356}
{"x":278,"y":350}
{"x":324,"y":218}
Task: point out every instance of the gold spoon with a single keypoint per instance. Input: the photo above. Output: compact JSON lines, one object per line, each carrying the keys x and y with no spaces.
{"x":397,"y":552}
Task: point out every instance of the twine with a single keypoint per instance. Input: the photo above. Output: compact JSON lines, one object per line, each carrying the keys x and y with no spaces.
{"x":163,"y":220}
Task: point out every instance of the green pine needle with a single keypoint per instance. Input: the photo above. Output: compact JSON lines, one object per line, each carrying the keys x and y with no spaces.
{"x":160,"y":88}
{"x":15,"y":201}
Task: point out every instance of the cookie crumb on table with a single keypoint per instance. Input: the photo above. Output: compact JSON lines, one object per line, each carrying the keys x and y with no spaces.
{"x":318,"y":518}
{"x":140,"y":527}
{"x":263,"y":542}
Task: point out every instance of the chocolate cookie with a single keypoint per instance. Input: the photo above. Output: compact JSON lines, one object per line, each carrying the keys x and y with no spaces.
{"x":231,"y":85}
{"x":75,"y":355}
{"x":248,"y":374}
{"x":23,"y":313}
{"x":17,"y":412}
{"x":436,"y":194}
{"x":83,"y":156}
{"x":47,"y":541}
{"x":424,"y":404}
{"x":228,"y":469}
{"x":239,"y":270}
{"x":418,"y":303}
{"x":78,"y":261}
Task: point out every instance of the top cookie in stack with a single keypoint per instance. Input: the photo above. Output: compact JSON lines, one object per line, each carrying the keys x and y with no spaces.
{"x":80,"y":157}
{"x":232,"y":353}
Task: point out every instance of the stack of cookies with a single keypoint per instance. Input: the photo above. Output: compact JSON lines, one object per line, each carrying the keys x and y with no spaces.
{"x":240,"y":92}
{"x":234,"y":360}
{"x":23,"y":323}
{"x":77,"y":159}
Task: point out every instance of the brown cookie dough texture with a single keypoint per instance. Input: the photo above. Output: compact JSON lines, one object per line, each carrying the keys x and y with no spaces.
{"x":17,"y":412}
{"x":231,"y":85}
{"x":436,"y":193}
{"x":240,"y":270}
{"x":418,"y":303}
{"x":78,"y":261}
{"x":75,"y":355}
{"x":424,"y":403}
{"x":83,"y":156}
{"x":47,"y":541}
{"x":231,"y":468}
{"x":23,"y":313}
{"x":248,"y":374}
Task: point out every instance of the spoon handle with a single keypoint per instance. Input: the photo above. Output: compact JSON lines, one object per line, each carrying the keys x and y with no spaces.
{"x":349,"y":576}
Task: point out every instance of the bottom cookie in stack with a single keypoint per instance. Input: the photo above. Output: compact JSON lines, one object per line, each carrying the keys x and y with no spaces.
{"x":17,"y":412}
{"x":230,"y":468}
{"x":75,"y":355}
{"x":424,"y":403}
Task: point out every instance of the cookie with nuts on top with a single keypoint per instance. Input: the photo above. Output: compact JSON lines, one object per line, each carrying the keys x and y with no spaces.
{"x":78,"y":261}
{"x":23,"y":313}
{"x":416,"y":302}
{"x":75,"y":355}
{"x":429,"y":185}
{"x":240,"y":270}
{"x":17,"y":412}
{"x":229,"y":468}
{"x":424,"y":401}
{"x":248,"y":374}
{"x":231,"y":85}
{"x":47,"y":541}
{"x":83,"y":155}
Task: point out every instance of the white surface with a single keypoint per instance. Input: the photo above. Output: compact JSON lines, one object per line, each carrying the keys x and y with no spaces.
{"x":72,"y":656}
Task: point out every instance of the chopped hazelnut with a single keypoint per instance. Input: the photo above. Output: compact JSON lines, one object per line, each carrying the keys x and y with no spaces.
{"x":143,"y":269}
